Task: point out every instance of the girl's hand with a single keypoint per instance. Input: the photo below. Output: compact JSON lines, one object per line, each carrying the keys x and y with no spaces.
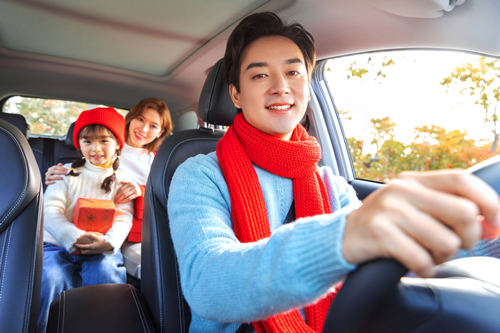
{"x":92,"y":243}
{"x":128,"y":191}
{"x":55,"y":173}
{"x":421,"y":219}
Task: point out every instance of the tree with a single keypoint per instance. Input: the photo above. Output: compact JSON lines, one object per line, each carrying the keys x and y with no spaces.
{"x":481,"y":81}
{"x":46,"y":116}
{"x":383,"y":129}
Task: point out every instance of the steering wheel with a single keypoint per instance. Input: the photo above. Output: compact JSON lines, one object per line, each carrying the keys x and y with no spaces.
{"x":374,"y":298}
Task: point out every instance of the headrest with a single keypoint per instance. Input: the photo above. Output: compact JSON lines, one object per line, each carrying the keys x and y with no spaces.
{"x":215,"y":106}
{"x":17,"y":120}
{"x":69,"y":137}
{"x":24,"y":184}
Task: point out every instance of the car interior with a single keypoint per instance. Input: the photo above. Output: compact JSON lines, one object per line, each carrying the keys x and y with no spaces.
{"x":116,"y":53}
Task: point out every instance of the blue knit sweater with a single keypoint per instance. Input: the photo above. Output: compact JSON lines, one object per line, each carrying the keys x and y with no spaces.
{"x":226,"y":282}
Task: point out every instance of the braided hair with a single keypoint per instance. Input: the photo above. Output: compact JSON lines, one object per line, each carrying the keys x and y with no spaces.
{"x":89,"y":130}
{"x":108,"y":181}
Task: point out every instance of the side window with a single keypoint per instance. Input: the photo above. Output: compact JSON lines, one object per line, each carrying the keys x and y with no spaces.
{"x":416,"y":110}
{"x":47,"y":117}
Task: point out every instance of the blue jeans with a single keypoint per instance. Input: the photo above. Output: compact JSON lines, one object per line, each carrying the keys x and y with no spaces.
{"x":64,"y":271}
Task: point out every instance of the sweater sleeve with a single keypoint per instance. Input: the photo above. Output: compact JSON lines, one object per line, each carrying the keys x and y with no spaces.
{"x":122,"y":223}
{"x":228,"y":281}
{"x":54,"y":218}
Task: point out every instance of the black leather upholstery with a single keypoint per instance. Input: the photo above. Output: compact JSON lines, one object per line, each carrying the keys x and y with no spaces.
{"x":215,"y":105}
{"x":17,"y":120}
{"x":69,"y":136}
{"x":100,"y":308}
{"x":20,"y":232}
{"x":160,"y":283}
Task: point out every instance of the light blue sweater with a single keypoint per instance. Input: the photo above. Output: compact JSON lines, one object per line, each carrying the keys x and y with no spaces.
{"x":226,"y":282}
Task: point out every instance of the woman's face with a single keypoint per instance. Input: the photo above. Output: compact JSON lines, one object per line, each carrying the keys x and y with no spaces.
{"x":274,"y":86}
{"x":144,"y":129}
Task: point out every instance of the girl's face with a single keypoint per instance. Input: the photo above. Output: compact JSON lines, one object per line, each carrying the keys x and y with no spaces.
{"x":98,"y":147}
{"x":144,"y":129}
{"x":274,"y":86}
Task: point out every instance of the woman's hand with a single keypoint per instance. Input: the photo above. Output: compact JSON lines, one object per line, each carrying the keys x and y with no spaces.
{"x":421,"y":219}
{"x":92,"y":243}
{"x":55,"y":173}
{"x":128,"y":191}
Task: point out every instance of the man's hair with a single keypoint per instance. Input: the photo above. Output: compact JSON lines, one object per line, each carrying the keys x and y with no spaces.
{"x":261,"y":25}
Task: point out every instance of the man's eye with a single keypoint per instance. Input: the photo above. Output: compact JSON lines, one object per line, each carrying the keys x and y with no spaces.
{"x":293,"y":73}
{"x":259,"y":76}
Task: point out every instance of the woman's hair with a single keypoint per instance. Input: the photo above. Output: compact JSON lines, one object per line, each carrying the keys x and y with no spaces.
{"x":162,"y":109}
{"x":90,"y":130}
{"x":261,"y":25}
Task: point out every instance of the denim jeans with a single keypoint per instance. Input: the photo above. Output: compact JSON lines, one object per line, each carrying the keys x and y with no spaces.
{"x":64,"y":271}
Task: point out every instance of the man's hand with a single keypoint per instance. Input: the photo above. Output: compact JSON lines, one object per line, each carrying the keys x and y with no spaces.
{"x":421,"y":219}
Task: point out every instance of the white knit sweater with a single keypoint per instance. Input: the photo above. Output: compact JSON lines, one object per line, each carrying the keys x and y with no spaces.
{"x":59,"y":203}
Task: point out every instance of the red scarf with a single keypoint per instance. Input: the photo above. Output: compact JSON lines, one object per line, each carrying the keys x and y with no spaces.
{"x":297,"y":159}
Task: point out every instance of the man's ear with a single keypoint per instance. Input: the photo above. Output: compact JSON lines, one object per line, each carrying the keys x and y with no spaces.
{"x":235,"y":96}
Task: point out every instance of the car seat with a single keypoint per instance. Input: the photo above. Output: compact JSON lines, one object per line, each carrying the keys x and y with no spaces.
{"x":20,"y":232}
{"x":160,"y":283}
{"x":17,"y":120}
{"x":160,"y":304}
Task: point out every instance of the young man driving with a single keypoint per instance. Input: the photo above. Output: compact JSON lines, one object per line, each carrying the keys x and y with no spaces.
{"x":240,"y":259}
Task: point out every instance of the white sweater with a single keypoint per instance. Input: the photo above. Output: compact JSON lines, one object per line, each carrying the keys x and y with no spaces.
{"x":136,"y":163}
{"x":59,"y":203}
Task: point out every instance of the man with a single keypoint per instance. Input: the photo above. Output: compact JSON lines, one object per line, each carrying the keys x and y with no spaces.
{"x":240,"y":260}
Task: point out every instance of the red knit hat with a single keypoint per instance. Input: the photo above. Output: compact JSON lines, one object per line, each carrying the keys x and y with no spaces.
{"x":108,"y":117}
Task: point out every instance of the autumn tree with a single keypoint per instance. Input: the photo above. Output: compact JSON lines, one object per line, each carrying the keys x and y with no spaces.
{"x":482,"y":82}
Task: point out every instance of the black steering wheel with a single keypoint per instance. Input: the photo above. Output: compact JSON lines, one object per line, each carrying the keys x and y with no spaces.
{"x":463,"y":297}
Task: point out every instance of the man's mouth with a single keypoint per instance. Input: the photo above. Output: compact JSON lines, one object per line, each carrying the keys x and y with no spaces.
{"x":280,"y":107}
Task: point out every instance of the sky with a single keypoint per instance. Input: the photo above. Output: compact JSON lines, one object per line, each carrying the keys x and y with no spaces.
{"x":410,"y":94}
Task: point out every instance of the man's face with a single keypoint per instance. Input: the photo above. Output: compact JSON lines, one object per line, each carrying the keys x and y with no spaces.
{"x":274,"y":86}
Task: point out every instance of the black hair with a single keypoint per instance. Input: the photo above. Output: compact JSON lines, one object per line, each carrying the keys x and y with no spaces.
{"x":260,"y":25}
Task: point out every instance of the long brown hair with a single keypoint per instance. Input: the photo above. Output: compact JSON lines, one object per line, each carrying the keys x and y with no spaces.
{"x":159,"y":106}
{"x":92,"y":130}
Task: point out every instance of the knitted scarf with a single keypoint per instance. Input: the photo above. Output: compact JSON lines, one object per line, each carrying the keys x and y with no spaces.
{"x":297,"y":159}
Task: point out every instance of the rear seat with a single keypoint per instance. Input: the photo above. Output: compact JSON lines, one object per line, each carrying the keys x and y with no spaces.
{"x":50,"y":151}
{"x":17,"y":120}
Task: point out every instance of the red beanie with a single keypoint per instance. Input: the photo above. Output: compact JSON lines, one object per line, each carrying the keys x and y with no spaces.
{"x":107,"y":117}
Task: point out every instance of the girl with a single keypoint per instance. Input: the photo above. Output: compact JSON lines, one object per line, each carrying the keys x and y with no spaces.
{"x":75,"y":257}
{"x":146,"y":125}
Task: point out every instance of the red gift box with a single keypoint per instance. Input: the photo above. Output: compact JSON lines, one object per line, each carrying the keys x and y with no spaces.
{"x":94,"y":214}
{"x":135,"y":234}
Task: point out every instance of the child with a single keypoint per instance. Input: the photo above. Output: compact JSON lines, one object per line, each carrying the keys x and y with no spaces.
{"x":74,"y":257}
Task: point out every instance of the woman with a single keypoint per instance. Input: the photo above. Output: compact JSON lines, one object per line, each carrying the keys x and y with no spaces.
{"x":146,"y":125}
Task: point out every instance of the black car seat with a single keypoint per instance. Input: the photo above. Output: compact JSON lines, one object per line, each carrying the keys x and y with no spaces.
{"x":160,"y":282}
{"x":65,"y":151}
{"x":17,"y":120}
{"x":20,"y":232}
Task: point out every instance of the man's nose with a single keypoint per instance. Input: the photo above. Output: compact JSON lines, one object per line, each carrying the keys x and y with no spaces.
{"x":279,"y":85}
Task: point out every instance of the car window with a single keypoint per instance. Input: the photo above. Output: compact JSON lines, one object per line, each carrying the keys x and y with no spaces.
{"x":47,"y":117}
{"x":416,"y":110}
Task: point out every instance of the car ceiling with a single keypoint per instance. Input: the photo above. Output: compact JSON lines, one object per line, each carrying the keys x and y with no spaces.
{"x":117,"y":52}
